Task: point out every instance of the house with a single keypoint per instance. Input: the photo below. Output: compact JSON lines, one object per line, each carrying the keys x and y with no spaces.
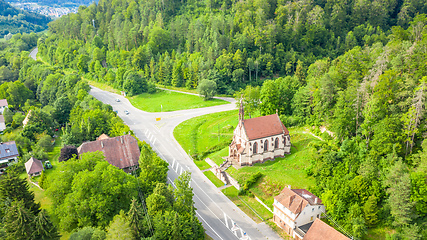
{"x":3,"y":105}
{"x":322,"y":231}
{"x":295,"y":211}
{"x":257,"y":140}
{"x":34,"y":167}
{"x":8,"y":155}
{"x":2,"y":123}
{"x":122,"y":152}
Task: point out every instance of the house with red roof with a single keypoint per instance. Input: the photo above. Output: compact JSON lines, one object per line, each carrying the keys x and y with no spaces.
{"x":122,"y":151}
{"x":257,"y":140}
{"x":34,"y":167}
{"x":295,"y":210}
{"x":3,"y":105}
{"x":322,"y":231}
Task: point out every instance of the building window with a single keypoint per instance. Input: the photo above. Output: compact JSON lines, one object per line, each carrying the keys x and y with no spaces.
{"x":276,"y":143}
{"x":266,"y":146}
{"x":255,"y":148}
{"x":319,"y":207}
{"x":312,"y":209}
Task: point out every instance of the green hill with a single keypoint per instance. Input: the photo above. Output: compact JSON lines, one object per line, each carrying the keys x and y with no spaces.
{"x":13,"y":20}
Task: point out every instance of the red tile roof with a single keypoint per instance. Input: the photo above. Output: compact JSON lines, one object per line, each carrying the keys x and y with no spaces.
{"x":33,"y":166}
{"x":3,"y":102}
{"x":103,"y":136}
{"x":265,"y":126}
{"x":322,"y":231}
{"x":296,"y":199}
{"x":122,"y":151}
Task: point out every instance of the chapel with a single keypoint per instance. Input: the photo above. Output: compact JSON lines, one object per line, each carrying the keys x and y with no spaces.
{"x":257,"y":140}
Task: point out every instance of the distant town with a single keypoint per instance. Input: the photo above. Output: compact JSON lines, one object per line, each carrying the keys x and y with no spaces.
{"x":53,"y":12}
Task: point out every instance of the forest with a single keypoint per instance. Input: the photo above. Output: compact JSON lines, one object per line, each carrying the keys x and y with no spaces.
{"x":81,"y":197}
{"x":356,"y":68}
{"x":14,"y":20}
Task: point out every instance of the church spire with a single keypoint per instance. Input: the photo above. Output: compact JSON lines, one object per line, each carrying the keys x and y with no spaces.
{"x":241,"y":111}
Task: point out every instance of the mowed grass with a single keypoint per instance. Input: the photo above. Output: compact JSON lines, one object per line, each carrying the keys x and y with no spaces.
{"x":167,"y":101}
{"x":103,"y":86}
{"x":213,"y":179}
{"x":200,"y":134}
{"x":281,"y":172}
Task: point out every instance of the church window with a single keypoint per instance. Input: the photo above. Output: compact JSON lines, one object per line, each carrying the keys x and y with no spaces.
{"x":276,"y":143}
{"x":255,"y":148}
{"x":265,"y":145}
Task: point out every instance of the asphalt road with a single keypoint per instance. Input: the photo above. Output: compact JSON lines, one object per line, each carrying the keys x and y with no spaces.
{"x":221,"y":218}
{"x":33,"y":53}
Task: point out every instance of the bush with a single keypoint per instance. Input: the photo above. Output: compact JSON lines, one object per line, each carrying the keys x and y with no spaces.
{"x":68,"y":152}
{"x":252,"y":180}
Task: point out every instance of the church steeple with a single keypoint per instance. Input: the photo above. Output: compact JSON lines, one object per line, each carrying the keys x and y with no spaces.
{"x":241,"y":111}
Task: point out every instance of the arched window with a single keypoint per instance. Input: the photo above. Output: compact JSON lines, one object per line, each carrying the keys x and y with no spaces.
{"x":265,"y":145}
{"x":255,"y":148}
{"x":276,"y":143}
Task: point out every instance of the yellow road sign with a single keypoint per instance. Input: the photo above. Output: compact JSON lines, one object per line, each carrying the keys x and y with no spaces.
{"x":158,"y":119}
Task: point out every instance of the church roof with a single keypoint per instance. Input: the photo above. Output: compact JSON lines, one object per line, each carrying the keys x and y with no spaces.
{"x":33,"y":166}
{"x":265,"y":126}
{"x":122,"y":151}
{"x":322,"y":231}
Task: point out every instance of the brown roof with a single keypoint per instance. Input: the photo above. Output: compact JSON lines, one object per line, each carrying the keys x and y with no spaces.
{"x":296,"y":199}
{"x":3,"y":102}
{"x":322,"y":231}
{"x":33,"y":166}
{"x":122,"y":151}
{"x":265,"y":126}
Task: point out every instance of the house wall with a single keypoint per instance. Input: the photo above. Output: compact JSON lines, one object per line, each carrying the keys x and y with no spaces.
{"x":284,"y":214}
{"x":2,"y":126}
{"x":2,"y":108}
{"x":308,"y":212}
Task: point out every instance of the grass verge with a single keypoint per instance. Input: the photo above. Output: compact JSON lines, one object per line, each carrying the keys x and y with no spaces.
{"x":202,"y":165}
{"x":166,"y":101}
{"x":213,"y":179}
{"x":103,"y":86}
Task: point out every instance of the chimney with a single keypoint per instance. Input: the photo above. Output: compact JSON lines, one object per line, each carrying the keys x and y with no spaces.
{"x":289,"y":186}
{"x":121,"y":139}
{"x":102,"y":144}
{"x":315,"y":200}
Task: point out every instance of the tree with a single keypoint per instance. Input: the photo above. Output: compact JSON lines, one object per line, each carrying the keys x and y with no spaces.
{"x":136,"y":218}
{"x":88,"y":233}
{"x":18,"y":222}
{"x":15,"y":188}
{"x":62,"y":111}
{"x":207,"y":89}
{"x":153,"y":168}
{"x":184,"y":194}
{"x":119,"y":228}
{"x":134,"y":84}
{"x":370,"y":210}
{"x":44,"y":229}
{"x":68,"y":152}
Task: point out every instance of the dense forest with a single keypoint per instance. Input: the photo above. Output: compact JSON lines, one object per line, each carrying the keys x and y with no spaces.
{"x":87,"y":197}
{"x":14,"y":20}
{"x":354,"y":67}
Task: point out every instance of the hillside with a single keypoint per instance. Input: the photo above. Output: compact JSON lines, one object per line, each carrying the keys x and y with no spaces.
{"x":13,"y":20}
{"x":70,"y":3}
{"x":354,"y":67}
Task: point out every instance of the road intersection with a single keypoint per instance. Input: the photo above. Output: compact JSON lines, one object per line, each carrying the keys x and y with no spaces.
{"x":221,"y":218}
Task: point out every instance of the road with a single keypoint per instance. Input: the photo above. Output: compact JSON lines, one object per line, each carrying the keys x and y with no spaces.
{"x":221,"y":218}
{"x":33,"y":54}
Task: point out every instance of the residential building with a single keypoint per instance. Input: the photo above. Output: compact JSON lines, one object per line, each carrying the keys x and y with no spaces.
{"x":322,"y":231}
{"x":8,"y":155}
{"x":257,"y":140}
{"x":34,"y":167}
{"x":122,"y":152}
{"x":295,"y":211}
{"x":3,"y":105}
{"x":2,"y":123}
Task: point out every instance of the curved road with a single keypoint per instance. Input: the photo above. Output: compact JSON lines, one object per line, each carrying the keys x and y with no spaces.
{"x":221,"y":218}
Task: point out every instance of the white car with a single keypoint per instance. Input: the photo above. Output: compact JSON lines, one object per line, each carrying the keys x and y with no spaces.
{"x":126,"y":112}
{"x":117,"y":100}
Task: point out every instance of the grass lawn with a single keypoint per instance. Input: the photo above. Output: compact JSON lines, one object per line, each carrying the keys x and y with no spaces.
{"x":202,"y":165}
{"x":217,"y":156}
{"x":200,"y":134}
{"x":213,"y":179}
{"x":103,"y":86}
{"x":281,"y":172}
{"x":166,"y":101}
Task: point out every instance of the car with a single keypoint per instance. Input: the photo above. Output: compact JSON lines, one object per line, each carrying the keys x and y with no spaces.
{"x":126,"y":112}
{"x":117,"y":100}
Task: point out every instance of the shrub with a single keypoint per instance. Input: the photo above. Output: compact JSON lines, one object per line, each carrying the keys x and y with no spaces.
{"x":252,"y":180}
{"x":68,"y":152}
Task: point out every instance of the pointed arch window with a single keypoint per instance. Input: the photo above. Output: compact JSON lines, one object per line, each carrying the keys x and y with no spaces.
{"x":255,"y":148}
{"x":276,"y":143}
{"x":265,"y":145}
